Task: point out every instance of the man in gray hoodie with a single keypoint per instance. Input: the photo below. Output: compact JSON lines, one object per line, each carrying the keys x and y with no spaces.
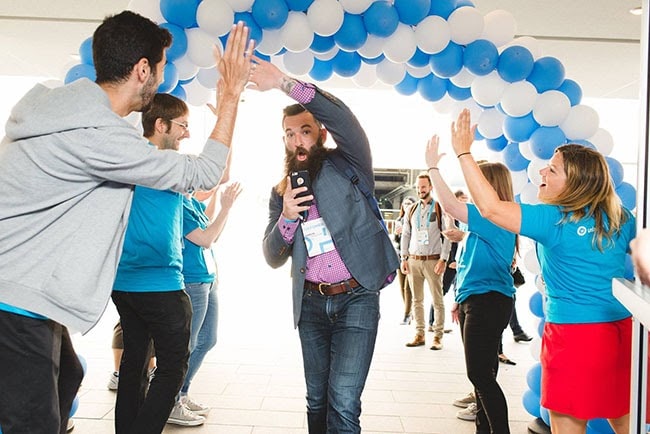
{"x":68,"y":164}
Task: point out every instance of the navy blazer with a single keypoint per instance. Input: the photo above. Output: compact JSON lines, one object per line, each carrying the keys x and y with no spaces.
{"x":359,"y":237}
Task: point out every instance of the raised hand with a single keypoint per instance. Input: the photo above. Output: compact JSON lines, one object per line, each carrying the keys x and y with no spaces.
{"x":432,"y":155}
{"x":462,"y":133}
{"x":264,"y":75}
{"x":235,"y":64}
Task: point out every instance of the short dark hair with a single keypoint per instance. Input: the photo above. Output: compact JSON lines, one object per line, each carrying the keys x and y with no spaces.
{"x":165,"y":107}
{"x":122,"y":40}
{"x":296,"y":109}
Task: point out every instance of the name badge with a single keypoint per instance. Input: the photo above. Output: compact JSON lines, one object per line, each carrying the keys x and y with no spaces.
{"x":317,"y":237}
{"x":208,"y":257}
{"x":423,"y":237}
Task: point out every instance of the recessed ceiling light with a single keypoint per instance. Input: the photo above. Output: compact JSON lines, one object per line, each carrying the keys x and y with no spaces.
{"x":636,"y":11}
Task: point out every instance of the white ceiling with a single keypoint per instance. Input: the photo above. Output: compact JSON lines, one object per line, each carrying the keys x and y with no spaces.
{"x":596,"y":40}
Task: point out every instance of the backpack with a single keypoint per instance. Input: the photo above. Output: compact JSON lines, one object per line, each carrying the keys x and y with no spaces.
{"x":438,"y":214}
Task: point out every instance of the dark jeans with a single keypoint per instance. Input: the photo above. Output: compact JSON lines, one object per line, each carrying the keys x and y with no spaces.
{"x":337,"y":335}
{"x":514,"y":321}
{"x":165,"y":318}
{"x":483,"y":318}
{"x":40,"y":375}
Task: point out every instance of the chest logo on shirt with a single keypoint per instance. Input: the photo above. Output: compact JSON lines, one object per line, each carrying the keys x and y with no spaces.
{"x":582,"y":231}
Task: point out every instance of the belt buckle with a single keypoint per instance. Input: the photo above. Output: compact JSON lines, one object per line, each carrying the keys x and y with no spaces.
{"x":320,"y":287}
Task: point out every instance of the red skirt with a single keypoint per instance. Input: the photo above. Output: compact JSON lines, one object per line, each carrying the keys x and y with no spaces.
{"x":586,"y":369}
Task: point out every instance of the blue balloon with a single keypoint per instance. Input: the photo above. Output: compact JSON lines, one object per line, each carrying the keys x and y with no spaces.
{"x":547,"y":74}
{"x":346,"y":63}
{"x":629,"y":268}
{"x":299,"y":5}
{"x":572,"y":90}
{"x":585,"y":143}
{"x":419,"y":59}
{"x":513,"y":159}
{"x":412,"y":12}
{"x":270,"y":14}
{"x":497,"y":144}
{"x":180,"y":12}
{"x":615,"y":170}
{"x":408,"y":85}
{"x":599,"y":426}
{"x":352,"y":34}
{"x":515,"y":63}
{"x":448,"y":62}
{"x":179,"y":92}
{"x":322,"y":44}
{"x":381,"y":19}
{"x":531,"y":402}
{"x":83,"y":363}
{"x":86,"y":51}
{"x":374,"y":60}
{"x":519,"y":129}
{"x":80,"y":71}
{"x":534,"y":378}
{"x":462,"y":3}
{"x":443,"y":8}
{"x":477,"y":136}
{"x":627,"y":193}
{"x":480,"y":57}
{"x":263,"y":56}
{"x":540,"y":327}
{"x":432,"y":88}
{"x":179,"y":42}
{"x":321,"y":70}
{"x":536,"y":304}
{"x":544,"y":140}
{"x":458,"y":93}
{"x":75,"y":406}
{"x":545,"y":415}
{"x":170,"y":78}
{"x":255,"y":33}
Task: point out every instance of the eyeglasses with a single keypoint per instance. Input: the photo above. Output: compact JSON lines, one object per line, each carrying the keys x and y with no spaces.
{"x":185,"y":125}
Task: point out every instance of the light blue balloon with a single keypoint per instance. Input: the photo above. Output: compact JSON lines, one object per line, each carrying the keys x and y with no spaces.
{"x":80,"y":71}
{"x":536,"y":304}
{"x":412,"y":12}
{"x":585,"y":143}
{"x":627,"y":193}
{"x":495,"y":145}
{"x":519,"y":129}
{"x":480,"y":57}
{"x":83,"y":363}
{"x":513,"y":159}
{"x":515,"y":63}
{"x":544,"y":140}
{"x":531,"y":403}
{"x":534,"y":378}
{"x":86,"y":51}
{"x":170,"y":78}
{"x":75,"y":406}
{"x":180,"y":12}
{"x":352,"y":34}
{"x":547,"y":74}
{"x":477,"y":136}
{"x":179,"y":41}
{"x":408,"y":85}
{"x":540,"y":327}
{"x":381,"y":19}
{"x":448,"y":62}
{"x":458,"y":93}
{"x":321,"y":70}
{"x":270,"y":14}
{"x":346,"y":63}
{"x":616,"y":170}
{"x":545,"y":415}
{"x":432,"y":88}
{"x":572,"y":90}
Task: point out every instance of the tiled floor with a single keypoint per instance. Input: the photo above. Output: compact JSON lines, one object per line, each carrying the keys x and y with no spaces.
{"x":253,"y":378}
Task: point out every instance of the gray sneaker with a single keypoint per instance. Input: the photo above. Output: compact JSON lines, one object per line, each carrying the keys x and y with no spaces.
{"x":113,"y":381}
{"x":465,"y":401}
{"x":181,"y":415}
{"x":469,"y":413}
{"x":195,"y":407}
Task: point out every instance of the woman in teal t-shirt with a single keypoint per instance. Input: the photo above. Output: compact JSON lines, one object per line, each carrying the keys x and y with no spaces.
{"x":484,"y":290}
{"x":583,"y":234}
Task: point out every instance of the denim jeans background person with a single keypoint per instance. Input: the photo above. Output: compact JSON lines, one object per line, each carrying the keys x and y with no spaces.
{"x":335,"y":289}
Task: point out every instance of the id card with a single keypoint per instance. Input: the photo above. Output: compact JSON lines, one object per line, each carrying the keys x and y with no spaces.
{"x":317,"y":237}
{"x":208,"y":257}
{"x":423,"y":237}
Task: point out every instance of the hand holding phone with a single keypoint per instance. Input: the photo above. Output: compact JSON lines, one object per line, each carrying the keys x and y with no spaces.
{"x":301,"y":179}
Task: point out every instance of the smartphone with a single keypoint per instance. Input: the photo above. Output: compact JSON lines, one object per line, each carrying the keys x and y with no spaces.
{"x":301,"y":179}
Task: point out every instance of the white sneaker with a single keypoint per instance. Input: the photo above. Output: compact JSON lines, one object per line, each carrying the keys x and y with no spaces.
{"x":465,"y":401}
{"x":195,"y":407}
{"x":113,"y":381}
{"x":181,"y":415}
{"x":469,"y":413}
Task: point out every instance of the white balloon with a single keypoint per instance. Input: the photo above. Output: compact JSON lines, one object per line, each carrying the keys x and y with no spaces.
{"x":445,"y":105}
{"x":536,"y":348}
{"x":534,"y":167}
{"x":372,"y":47}
{"x":325,"y":16}
{"x":518,"y":98}
{"x":526,"y":151}
{"x":328,"y":55}
{"x":466,"y":25}
{"x":296,"y":33}
{"x":208,"y":77}
{"x":240,"y":5}
{"x":464,"y":78}
{"x":199,"y":47}
{"x":475,"y":111}
{"x":401,"y":45}
{"x":186,"y":67}
{"x":487,"y":90}
{"x":432,"y":34}
{"x":531,"y":263}
{"x":147,"y":8}
{"x":529,"y":194}
{"x":490,"y":123}
{"x":271,"y":42}
{"x":215,"y":17}
{"x":298,"y":63}
{"x":603,"y":141}
{"x":418,"y":72}
{"x":390,"y":73}
{"x":519,"y":180}
{"x":197,"y":95}
{"x":530,"y":43}
{"x":500,"y":27}
{"x":366,"y":76}
{"x":581,"y":122}
{"x":356,"y":7}
{"x":551,"y":108}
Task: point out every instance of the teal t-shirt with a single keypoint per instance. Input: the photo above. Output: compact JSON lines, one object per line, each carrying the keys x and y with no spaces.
{"x":578,"y":276}
{"x":485,"y":259}
{"x":198,"y":263}
{"x":152,"y":258}
{"x":19,"y":311}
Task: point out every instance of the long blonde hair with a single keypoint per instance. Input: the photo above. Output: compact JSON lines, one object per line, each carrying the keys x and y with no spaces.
{"x":589,"y":192}
{"x":499,"y":178}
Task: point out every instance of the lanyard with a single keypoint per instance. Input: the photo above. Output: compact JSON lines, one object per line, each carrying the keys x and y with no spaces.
{"x":419,"y":215}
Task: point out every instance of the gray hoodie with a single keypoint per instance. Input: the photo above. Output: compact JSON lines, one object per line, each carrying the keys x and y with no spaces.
{"x":68,"y":164}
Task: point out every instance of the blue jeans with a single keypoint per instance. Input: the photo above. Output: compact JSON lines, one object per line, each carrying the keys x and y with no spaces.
{"x":203,"y":332}
{"x":337,"y":335}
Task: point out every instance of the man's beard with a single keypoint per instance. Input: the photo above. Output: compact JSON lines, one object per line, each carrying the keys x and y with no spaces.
{"x":312,"y":164}
{"x":148,"y":92}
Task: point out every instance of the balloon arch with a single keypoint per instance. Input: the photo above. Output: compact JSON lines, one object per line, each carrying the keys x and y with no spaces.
{"x":444,"y":50}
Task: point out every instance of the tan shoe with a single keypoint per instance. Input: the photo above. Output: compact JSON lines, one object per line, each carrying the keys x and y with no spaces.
{"x":418,"y":341}
{"x":437,"y":344}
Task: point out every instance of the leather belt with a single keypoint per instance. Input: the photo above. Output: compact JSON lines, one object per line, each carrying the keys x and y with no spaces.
{"x":424,"y":257}
{"x":332,"y":288}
